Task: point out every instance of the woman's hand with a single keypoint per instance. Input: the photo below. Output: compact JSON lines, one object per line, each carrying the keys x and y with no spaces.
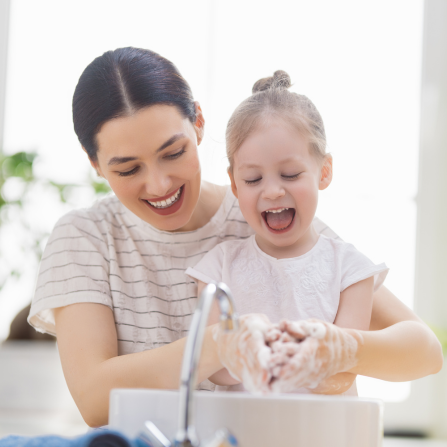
{"x":324,"y":351}
{"x":244,"y":352}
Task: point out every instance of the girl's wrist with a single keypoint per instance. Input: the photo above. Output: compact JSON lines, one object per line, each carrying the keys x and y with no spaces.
{"x":359,"y":337}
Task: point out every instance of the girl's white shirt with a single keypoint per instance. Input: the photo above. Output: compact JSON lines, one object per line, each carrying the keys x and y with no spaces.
{"x":299,"y":288}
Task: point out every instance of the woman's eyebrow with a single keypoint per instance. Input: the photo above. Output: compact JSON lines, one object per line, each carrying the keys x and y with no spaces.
{"x":171,"y":140}
{"x":121,"y":160}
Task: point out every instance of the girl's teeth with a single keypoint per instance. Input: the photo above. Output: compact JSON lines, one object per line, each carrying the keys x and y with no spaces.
{"x":277,"y":211}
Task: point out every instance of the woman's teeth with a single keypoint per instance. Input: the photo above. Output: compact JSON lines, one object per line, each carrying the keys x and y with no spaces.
{"x":168,"y":202}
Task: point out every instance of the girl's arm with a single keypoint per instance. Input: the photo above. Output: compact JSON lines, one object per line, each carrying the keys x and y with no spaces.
{"x":354,"y":311}
{"x":88,"y":348}
{"x":398,"y":347}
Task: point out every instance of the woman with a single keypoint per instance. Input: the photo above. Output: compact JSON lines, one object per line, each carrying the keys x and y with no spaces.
{"x":112,"y":284}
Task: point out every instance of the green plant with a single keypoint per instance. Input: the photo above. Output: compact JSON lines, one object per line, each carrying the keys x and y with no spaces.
{"x":17,"y":170}
{"x":442,"y":337}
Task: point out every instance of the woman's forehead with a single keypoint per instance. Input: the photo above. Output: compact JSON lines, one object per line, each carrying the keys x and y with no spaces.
{"x":146,"y":130}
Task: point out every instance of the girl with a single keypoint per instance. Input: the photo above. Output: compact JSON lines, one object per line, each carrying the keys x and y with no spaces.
{"x":276,"y":147}
{"x":112,"y":285}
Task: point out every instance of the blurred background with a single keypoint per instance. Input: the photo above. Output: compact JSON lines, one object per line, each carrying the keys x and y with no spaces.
{"x":376,"y":70}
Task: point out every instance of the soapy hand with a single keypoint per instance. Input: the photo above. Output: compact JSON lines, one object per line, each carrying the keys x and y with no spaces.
{"x":245,"y":354}
{"x":322,"y":350}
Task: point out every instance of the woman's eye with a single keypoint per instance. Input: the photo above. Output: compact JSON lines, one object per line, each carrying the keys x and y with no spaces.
{"x":291,"y":177}
{"x":252,"y":182}
{"x":176,"y":155}
{"x":131,"y":172}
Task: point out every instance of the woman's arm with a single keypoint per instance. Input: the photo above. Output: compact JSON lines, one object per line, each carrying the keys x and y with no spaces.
{"x":399,"y":345}
{"x":88,"y":347}
{"x":222,"y":377}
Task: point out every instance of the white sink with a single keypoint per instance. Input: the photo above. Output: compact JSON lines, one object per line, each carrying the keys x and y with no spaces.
{"x":273,"y":421}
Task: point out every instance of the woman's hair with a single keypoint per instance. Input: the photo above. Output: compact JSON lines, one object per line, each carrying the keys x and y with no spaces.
{"x":271,"y":99}
{"x":120,"y":83}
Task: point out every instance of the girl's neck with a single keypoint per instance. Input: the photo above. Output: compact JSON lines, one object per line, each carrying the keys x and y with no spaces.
{"x":304,"y":244}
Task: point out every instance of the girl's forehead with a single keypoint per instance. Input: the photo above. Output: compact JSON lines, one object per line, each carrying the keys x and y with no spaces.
{"x":277,"y":142}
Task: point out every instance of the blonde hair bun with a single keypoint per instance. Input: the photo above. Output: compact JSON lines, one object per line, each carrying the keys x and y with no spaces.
{"x":280,"y":79}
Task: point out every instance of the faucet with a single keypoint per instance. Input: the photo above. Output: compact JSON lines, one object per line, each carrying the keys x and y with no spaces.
{"x":186,"y":433}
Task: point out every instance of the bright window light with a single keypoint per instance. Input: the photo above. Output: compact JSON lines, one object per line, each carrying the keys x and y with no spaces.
{"x":358,"y":61}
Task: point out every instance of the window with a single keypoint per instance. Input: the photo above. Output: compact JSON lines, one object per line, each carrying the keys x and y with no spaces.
{"x":358,"y":61}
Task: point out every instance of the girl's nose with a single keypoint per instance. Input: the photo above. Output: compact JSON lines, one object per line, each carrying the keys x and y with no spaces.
{"x":273,"y":190}
{"x":157,"y":183}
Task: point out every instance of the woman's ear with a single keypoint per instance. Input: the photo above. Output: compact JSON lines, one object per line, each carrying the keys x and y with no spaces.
{"x":95,"y":164}
{"x":199,"y":125}
{"x":326,"y":172}
{"x":233,"y":184}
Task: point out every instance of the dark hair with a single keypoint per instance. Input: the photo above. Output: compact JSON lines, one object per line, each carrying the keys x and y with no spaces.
{"x":121,"y":82}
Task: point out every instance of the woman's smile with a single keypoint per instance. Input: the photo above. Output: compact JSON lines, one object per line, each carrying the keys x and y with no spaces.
{"x":150,"y":160}
{"x":168,"y":204}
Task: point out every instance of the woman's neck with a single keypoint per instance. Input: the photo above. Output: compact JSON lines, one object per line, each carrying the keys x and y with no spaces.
{"x":210,"y":199}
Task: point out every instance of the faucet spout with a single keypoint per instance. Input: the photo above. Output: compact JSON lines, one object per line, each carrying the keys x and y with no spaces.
{"x":186,"y":434}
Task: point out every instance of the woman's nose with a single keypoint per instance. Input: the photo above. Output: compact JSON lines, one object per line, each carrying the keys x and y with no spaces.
{"x":273,"y":190}
{"x":158,"y":183}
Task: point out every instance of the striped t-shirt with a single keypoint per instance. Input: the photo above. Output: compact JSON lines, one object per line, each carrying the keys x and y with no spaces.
{"x":107,"y":255}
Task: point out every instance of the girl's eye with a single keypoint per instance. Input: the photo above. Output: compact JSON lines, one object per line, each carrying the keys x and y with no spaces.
{"x":291,"y":177}
{"x":252,"y":182}
{"x":176,"y":155}
{"x":131,"y":172}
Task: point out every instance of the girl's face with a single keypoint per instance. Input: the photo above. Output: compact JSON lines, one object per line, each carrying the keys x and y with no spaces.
{"x":276,"y":180}
{"x":151,"y":163}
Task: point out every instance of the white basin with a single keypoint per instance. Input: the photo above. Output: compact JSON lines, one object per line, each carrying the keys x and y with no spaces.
{"x":280,"y":420}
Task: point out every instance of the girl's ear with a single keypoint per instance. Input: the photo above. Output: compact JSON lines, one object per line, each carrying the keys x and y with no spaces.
{"x":233,"y":184}
{"x":326,"y":172}
{"x":199,"y":125}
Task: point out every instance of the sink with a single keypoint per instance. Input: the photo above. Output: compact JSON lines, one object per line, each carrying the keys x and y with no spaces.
{"x":256,"y":421}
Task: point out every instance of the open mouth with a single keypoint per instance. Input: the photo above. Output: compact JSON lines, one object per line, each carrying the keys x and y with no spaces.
{"x":279,"y":220}
{"x":169,"y":204}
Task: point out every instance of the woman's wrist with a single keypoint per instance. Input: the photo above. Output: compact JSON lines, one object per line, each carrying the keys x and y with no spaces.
{"x":209,"y":358}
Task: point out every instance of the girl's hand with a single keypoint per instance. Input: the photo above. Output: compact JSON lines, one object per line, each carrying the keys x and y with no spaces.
{"x":244,"y":352}
{"x":324,"y":351}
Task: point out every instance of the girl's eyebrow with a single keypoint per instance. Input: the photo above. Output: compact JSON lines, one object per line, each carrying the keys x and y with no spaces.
{"x":248,"y":166}
{"x":121,"y":160}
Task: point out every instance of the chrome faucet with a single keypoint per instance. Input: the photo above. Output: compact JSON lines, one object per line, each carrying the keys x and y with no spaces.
{"x":186,"y":433}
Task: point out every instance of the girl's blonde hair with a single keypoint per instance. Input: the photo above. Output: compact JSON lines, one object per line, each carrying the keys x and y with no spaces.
{"x":271,"y":99}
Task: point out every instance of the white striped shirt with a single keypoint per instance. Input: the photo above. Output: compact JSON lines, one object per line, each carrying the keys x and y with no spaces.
{"x":107,"y":255}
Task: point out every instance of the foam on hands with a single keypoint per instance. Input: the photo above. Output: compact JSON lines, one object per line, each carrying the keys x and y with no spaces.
{"x":291,"y":354}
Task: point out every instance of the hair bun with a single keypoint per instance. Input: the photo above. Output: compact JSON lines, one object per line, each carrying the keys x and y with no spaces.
{"x":280,"y":79}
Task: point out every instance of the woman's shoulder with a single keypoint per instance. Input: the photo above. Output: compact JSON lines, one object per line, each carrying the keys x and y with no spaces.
{"x":104,"y":212}
{"x":95,"y":223}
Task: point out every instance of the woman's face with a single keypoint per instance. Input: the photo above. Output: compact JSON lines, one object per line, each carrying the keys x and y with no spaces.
{"x":151,"y":162}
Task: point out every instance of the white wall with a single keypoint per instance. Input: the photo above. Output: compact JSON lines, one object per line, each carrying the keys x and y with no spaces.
{"x":358,"y":61}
